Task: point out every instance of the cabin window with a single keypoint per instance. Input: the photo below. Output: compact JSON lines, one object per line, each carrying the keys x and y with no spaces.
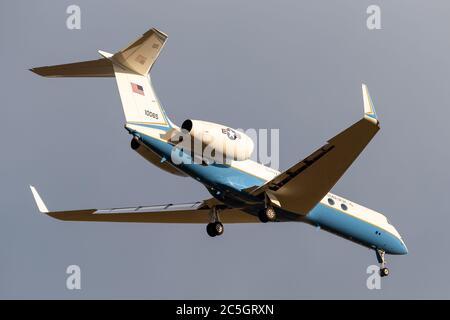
{"x":331,"y":201}
{"x":344,"y":207}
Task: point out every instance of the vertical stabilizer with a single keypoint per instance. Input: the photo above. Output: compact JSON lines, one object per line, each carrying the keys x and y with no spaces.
{"x":131,"y":67}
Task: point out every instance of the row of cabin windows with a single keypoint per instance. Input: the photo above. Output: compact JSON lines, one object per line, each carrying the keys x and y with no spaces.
{"x":343,"y":206}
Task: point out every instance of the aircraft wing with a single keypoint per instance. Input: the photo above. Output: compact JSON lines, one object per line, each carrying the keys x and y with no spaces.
{"x":302,"y":186}
{"x":197,"y":212}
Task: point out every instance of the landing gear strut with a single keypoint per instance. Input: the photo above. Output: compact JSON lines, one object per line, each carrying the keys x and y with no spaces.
{"x":384,"y":272}
{"x":215,"y":227}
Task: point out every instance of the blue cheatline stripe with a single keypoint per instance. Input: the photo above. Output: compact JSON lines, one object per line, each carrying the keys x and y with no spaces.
{"x":355,"y":229}
{"x":149,"y":125}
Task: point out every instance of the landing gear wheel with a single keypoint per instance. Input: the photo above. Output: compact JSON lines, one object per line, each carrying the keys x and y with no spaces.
{"x":135,"y":144}
{"x":384,"y":272}
{"x":218,"y":228}
{"x":271,"y":214}
{"x":210,"y":229}
{"x":214,"y":229}
{"x":267,"y":215}
{"x":262,"y":216}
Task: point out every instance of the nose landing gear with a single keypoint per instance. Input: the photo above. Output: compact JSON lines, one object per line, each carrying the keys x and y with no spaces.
{"x":384,"y":272}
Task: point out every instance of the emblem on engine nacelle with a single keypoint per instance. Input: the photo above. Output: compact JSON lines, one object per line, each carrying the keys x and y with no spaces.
{"x":231,"y":134}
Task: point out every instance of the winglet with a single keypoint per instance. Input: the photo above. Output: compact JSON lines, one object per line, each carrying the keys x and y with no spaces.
{"x":40,"y":204}
{"x":369,"y":110}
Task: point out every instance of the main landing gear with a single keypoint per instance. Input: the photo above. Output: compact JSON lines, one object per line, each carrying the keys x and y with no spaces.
{"x":267,"y":214}
{"x":215,"y":227}
{"x":384,"y":272}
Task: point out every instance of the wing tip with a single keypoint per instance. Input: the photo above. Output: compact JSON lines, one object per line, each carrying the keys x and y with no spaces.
{"x":40,"y":71}
{"x":39,"y":202}
{"x":34,"y":70}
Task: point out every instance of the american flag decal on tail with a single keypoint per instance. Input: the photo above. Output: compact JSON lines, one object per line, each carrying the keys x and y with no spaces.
{"x":137,"y":89}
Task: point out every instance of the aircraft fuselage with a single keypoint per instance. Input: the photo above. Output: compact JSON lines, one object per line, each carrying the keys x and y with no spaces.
{"x":333,"y":214}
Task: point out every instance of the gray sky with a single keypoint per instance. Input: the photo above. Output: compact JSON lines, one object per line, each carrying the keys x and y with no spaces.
{"x":293,"y":65}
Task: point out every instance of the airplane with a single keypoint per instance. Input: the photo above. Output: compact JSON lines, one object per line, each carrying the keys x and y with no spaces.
{"x":243,"y":191}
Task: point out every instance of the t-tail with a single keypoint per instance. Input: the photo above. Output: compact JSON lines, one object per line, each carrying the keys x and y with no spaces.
{"x":131,"y":67}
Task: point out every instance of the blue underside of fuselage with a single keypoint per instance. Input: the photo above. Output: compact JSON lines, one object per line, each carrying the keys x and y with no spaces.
{"x":223,"y":180}
{"x":220,"y":179}
{"x":354,"y":229}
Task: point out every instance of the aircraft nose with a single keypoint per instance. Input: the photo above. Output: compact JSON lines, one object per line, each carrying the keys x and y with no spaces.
{"x":401,"y":248}
{"x":398,"y":246}
{"x":405,"y":249}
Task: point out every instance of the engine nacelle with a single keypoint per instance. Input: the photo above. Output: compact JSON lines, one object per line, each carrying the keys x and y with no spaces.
{"x":217,"y":141}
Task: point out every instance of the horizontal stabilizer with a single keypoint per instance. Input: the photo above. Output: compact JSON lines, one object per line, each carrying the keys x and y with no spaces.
{"x":138,"y":57}
{"x":93,"y":68}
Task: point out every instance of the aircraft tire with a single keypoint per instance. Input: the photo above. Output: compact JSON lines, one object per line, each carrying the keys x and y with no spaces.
{"x":384,"y":272}
{"x":218,"y":228}
{"x":210,"y":229}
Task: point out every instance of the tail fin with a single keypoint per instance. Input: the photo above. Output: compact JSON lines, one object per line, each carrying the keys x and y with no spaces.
{"x":140,"y":55}
{"x":131,"y":67}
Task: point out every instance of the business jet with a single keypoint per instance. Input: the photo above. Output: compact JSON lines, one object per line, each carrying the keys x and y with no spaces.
{"x":243,"y":191}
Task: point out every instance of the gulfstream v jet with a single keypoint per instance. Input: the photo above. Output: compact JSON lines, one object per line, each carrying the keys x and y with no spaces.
{"x":243,"y":191}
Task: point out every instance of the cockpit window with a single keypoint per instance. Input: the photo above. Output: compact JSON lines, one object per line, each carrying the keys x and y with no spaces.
{"x":331,"y":201}
{"x":344,"y":207}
